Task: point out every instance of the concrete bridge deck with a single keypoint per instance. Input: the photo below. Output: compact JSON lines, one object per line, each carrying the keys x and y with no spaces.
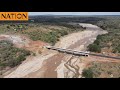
{"x":79,"y":53}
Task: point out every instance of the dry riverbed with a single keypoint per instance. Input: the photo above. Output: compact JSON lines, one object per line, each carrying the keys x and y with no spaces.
{"x":52,"y":64}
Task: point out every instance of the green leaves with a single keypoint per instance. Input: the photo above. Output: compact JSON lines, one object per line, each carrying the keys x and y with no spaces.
{"x":11,"y":56}
{"x":94,"y":48}
{"x":87,"y":73}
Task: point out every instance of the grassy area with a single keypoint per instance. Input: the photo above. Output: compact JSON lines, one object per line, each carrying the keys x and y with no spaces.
{"x":11,"y":56}
{"x":102,"y":70}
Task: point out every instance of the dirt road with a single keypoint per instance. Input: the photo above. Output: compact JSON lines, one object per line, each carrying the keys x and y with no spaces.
{"x":52,"y":64}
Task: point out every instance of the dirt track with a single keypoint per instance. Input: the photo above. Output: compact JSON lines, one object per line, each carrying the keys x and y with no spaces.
{"x":51,"y":64}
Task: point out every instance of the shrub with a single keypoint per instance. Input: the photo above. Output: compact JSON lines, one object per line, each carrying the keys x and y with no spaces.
{"x":94,"y":48}
{"x":11,"y":56}
{"x":97,"y":42}
{"x":87,"y":73}
{"x":117,"y":49}
{"x":8,"y":27}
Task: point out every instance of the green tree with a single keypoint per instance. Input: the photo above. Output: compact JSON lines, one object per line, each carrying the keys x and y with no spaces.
{"x":94,"y":48}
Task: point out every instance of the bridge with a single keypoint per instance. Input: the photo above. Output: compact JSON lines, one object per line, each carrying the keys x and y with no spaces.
{"x":79,"y":53}
{"x":69,"y":51}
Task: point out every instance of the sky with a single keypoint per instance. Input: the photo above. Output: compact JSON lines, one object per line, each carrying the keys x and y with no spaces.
{"x":74,"y":13}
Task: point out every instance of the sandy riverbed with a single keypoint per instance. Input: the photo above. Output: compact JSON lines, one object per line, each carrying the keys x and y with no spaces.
{"x":52,"y":64}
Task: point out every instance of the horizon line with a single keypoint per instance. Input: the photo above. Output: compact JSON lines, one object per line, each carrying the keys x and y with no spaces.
{"x":71,"y":15}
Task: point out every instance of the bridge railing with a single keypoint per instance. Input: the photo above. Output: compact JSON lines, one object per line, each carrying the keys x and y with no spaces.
{"x":69,"y":51}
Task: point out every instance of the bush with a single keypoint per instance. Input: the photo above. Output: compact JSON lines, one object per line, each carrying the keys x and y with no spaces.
{"x":97,"y":42}
{"x":117,"y":49}
{"x":87,"y":73}
{"x":8,"y":27}
{"x":11,"y":56}
{"x":49,"y":37}
{"x":102,"y":70}
{"x":94,"y":48}
{"x":62,"y":32}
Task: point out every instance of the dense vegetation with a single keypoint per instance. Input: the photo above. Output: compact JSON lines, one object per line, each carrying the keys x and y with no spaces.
{"x":65,"y":19}
{"x":94,"y":48}
{"x":110,"y":40}
{"x":51,"y":35}
{"x":11,"y":56}
{"x":102,"y":70}
{"x":40,"y":31}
